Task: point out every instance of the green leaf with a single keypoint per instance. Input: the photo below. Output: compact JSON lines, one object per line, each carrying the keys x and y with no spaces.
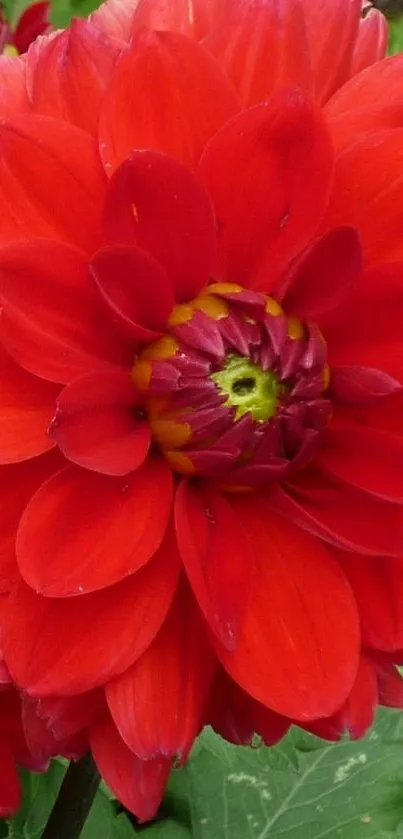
{"x":39,"y":794}
{"x":13,"y":9}
{"x":396,"y":35}
{"x":302,"y":789}
{"x":63,"y":10}
{"x":168,"y":829}
{"x":122,"y":829}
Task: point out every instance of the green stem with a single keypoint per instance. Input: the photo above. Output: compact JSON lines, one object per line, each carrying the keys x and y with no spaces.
{"x":74,"y":800}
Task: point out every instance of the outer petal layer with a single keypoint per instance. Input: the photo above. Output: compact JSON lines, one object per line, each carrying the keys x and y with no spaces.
{"x":371,"y":204}
{"x":298,"y":650}
{"x":159,"y":704}
{"x":138,"y":784}
{"x":238,"y":718}
{"x":113,"y":19}
{"x":112,"y":526}
{"x":332,"y":27}
{"x":56,"y":330}
{"x":51,"y":181}
{"x":384,"y":414}
{"x":67,"y":716}
{"x":71,"y":75}
{"x":357,"y":713}
{"x":325,"y":276}
{"x":367,"y":329}
{"x":194,"y":18}
{"x":191,"y":99}
{"x":372,"y":41}
{"x":17,"y":484}
{"x":370,"y":101}
{"x":107,"y":630}
{"x":318,"y":503}
{"x":263,"y":47}
{"x":13,"y":89}
{"x":378,"y":589}
{"x":33,"y":22}
{"x":366,"y":458}
{"x":10,"y":790}
{"x":282,"y":156}
{"x":361,"y":385}
{"x":216,"y":556}
{"x":27,"y":406}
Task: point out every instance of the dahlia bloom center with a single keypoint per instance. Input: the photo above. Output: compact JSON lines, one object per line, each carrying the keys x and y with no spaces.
{"x":248,"y":388}
{"x":236,"y":389}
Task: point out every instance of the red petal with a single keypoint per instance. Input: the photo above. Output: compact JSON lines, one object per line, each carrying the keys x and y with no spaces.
{"x":367,"y":330}
{"x":216,"y":556}
{"x":390,"y":685}
{"x":191,"y":99}
{"x":10,"y":714}
{"x":137,"y":289}
{"x":368,"y":102}
{"x":366,"y":458}
{"x":378,"y":589}
{"x":51,"y":181}
{"x":357,"y":714}
{"x":33,"y":22}
{"x":159,"y":704}
{"x":10,"y":790}
{"x":27,"y":406}
{"x":371,"y":204}
{"x":385,"y":414}
{"x":113,"y":19}
{"x":54,"y":325}
{"x":341,"y":514}
{"x":325,"y":276}
{"x":282,"y":157}
{"x":298,"y":650}
{"x":95,"y":424}
{"x":5,"y":678}
{"x":66,"y":716}
{"x":193,"y":19}
{"x":332,"y":27}
{"x":110,"y":526}
{"x":361,"y":384}
{"x":72,"y":73}
{"x":17,"y":485}
{"x":157,"y":203}
{"x":372,"y":41}
{"x":40,"y":740}
{"x":138,"y":784}
{"x":263,"y":47}
{"x":68,"y":646}
{"x":238,"y":718}
{"x":13,"y":90}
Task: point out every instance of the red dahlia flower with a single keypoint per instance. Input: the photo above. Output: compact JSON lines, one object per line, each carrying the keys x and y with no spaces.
{"x":202,"y":378}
